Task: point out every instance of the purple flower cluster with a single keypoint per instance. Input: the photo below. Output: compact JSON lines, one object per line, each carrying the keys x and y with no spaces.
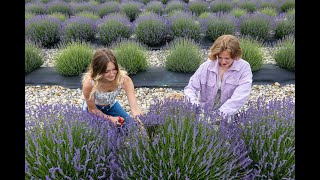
{"x":269,"y":134}
{"x":35,"y":7}
{"x":107,"y":8}
{"x":59,"y":6}
{"x":83,"y":6}
{"x":64,"y":142}
{"x":183,"y":145}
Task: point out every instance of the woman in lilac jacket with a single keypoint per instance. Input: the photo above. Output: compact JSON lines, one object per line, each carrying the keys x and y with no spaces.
{"x":224,"y":81}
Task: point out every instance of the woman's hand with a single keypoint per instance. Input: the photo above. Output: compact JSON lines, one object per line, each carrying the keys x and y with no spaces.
{"x":114,"y":120}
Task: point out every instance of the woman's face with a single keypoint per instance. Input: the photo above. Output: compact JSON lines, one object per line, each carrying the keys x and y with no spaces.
{"x":225,"y":59}
{"x":111,"y":72}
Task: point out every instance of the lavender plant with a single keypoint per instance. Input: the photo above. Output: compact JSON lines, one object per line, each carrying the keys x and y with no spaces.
{"x":286,"y":5}
{"x":44,"y":30}
{"x":107,"y":8}
{"x":131,"y":55}
{"x":249,"y":6}
{"x":256,"y":25}
{"x":238,"y":12}
{"x":175,"y":5}
{"x":88,"y":14}
{"x":198,"y":7}
{"x":184,"y":147}
{"x":132,"y":9}
{"x":59,"y":6}
{"x":62,"y":17}
{"x":112,"y":27}
{"x":285,"y":26}
{"x":251,"y":52}
{"x":269,"y":4}
{"x":151,"y":29}
{"x":74,"y":58}
{"x":184,"y":55}
{"x":35,"y":7}
{"x":79,"y":28}
{"x":83,"y":6}
{"x":33,"y":56}
{"x":28,"y":15}
{"x":220,"y":6}
{"x":155,"y":6}
{"x":269,"y":134}
{"x":183,"y":24}
{"x":268,"y":11}
{"x":65,"y":142}
{"x":216,"y":25}
{"x":285,"y":53}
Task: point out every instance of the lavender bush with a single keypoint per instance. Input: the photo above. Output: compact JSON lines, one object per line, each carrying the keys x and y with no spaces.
{"x":131,"y":8}
{"x":33,"y":56}
{"x":238,"y":12}
{"x":79,"y":28}
{"x":44,"y":30}
{"x":183,"y":24}
{"x":175,"y":5}
{"x":28,"y":15}
{"x":268,"y":11}
{"x":131,"y":55}
{"x":35,"y":7}
{"x":183,"y":147}
{"x":151,"y":29}
{"x":256,"y":25}
{"x":286,"y":5}
{"x":285,"y":53}
{"x":59,"y":6}
{"x":83,"y":6}
{"x":107,"y":8}
{"x":62,"y":17}
{"x":220,"y":6}
{"x":285,"y":26}
{"x":112,"y":27}
{"x":184,"y":55}
{"x":155,"y":6}
{"x":88,"y":14}
{"x":73,"y":59}
{"x":249,"y":6}
{"x":216,"y":25}
{"x":269,"y":134}
{"x":198,"y":7}
{"x":63,"y":142}
{"x":251,"y":52}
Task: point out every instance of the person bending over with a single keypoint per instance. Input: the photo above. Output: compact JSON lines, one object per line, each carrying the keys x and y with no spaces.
{"x":224,"y":81}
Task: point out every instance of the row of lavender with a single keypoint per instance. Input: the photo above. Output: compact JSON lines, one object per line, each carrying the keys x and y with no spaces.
{"x":151,"y":27}
{"x":63,"y":142}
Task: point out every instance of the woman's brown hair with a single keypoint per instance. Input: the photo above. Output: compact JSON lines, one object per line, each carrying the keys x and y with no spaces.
{"x":227,"y":43}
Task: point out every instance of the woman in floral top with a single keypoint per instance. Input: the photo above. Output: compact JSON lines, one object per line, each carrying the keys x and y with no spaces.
{"x":102,"y":83}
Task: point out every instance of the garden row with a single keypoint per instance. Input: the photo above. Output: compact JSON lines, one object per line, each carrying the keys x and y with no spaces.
{"x":181,"y":55}
{"x":64,"y":142}
{"x":150,"y":27}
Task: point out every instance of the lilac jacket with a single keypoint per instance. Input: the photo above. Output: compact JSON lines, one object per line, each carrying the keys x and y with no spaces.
{"x":235,"y":86}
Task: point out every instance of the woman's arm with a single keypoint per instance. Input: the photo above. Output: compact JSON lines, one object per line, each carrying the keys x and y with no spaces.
{"x":129,"y":89}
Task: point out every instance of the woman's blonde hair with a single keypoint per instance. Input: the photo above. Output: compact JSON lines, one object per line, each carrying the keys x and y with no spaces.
{"x":98,"y":66}
{"x":227,"y":43}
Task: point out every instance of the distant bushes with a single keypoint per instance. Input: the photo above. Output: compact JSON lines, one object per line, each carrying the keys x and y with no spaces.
{"x":79,"y":28}
{"x":251,"y":52}
{"x":73,"y":59}
{"x":183,"y":55}
{"x":131,"y":55}
{"x":285,"y":53}
{"x":33,"y":56}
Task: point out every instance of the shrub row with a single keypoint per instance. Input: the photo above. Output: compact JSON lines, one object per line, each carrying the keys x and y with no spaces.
{"x":132,"y":8}
{"x":64,"y":142}
{"x":153,"y":29}
{"x":181,"y":55}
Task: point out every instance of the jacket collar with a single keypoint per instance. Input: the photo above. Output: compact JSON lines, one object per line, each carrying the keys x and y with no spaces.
{"x":214,"y":65}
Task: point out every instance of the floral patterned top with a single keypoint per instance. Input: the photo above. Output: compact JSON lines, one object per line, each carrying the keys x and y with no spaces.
{"x":104,"y":98}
